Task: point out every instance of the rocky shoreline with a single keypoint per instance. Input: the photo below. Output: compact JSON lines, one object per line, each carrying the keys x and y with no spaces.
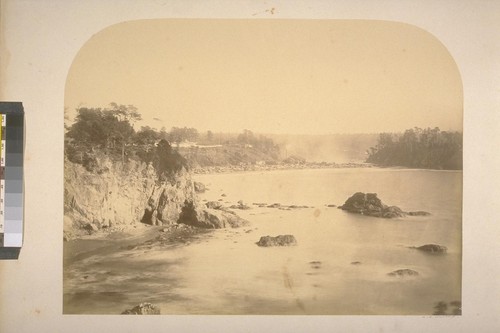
{"x":174,"y":215}
{"x":282,"y":166}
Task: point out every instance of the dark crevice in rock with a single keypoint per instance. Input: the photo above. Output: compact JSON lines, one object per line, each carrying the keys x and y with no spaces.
{"x":188,"y":214}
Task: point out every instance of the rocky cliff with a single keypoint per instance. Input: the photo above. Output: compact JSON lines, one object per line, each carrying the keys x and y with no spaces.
{"x":115,"y":195}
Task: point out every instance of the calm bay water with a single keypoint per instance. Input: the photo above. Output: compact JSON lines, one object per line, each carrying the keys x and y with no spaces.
{"x":225,"y":272}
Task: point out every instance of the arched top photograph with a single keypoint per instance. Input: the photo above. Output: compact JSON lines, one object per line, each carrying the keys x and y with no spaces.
{"x":263,"y":167}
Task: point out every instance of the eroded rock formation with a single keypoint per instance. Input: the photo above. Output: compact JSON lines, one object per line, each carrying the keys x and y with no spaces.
{"x":122,"y":194}
{"x":369,"y":204}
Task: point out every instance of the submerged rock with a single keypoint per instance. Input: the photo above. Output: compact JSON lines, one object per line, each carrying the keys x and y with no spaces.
{"x":403,"y":272}
{"x":240,"y":205}
{"x":315,"y":264}
{"x":281,"y":240}
{"x":419,"y":213}
{"x":143,"y":309}
{"x":432,"y":248}
{"x":297,"y":206}
{"x":274,"y":205}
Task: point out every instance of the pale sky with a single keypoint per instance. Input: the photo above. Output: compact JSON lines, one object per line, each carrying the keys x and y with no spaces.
{"x":271,"y":76}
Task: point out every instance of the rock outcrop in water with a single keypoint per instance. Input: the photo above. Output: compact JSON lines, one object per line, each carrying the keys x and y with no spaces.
{"x":432,"y":248}
{"x":143,"y":309}
{"x":403,"y":273}
{"x":281,"y":240}
{"x":209,"y":218}
{"x":419,"y":213}
{"x":369,"y":204}
{"x":240,"y":205}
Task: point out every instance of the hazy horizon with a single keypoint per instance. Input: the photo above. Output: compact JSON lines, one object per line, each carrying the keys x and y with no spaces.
{"x":271,"y":76}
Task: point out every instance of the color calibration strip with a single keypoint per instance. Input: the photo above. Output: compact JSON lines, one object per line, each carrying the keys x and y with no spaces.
{"x":11,"y":179}
{"x":2,"y":173}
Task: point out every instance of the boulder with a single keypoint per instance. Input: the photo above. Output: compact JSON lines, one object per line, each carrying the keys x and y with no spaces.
{"x":209,"y":218}
{"x":432,"y":248}
{"x":217,"y":219}
{"x":214,"y":205}
{"x":199,"y":187}
{"x":240,"y":205}
{"x":369,"y":204}
{"x":281,"y":240}
{"x":403,"y":273}
{"x":392,"y":212}
{"x":143,"y":309}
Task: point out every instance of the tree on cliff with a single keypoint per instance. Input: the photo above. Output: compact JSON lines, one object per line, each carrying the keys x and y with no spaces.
{"x":110,"y":131}
{"x":97,"y":128}
{"x":179,"y":134}
{"x":128,"y":113}
{"x":419,"y":148}
{"x":167,"y":161}
{"x":147,"y":136}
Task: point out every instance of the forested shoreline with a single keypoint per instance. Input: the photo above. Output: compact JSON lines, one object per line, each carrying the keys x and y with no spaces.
{"x":419,"y":148}
{"x":110,"y":131}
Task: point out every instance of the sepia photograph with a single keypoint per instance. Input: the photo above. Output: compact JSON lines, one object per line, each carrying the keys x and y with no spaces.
{"x":263,"y":167}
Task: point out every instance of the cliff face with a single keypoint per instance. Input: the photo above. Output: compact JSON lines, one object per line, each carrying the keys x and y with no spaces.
{"x":118,"y":194}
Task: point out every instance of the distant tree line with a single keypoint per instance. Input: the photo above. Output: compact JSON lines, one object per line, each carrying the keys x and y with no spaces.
{"x":260,"y":142}
{"x":419,"y":148}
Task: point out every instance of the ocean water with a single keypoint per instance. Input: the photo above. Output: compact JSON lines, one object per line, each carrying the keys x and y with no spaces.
{"x":340,"y":264}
